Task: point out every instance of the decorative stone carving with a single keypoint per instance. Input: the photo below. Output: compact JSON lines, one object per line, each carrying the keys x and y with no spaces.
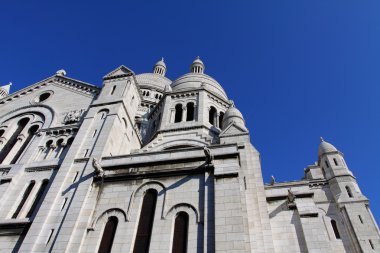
{"x":73,"y":116}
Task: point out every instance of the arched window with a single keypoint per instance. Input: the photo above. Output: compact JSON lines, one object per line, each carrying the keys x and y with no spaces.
{"x":178,"y":113}
{"x":25,"y":196}
{"x":13,"y":140}
{"x":59,"y":148}
{"x":108,"y":235}
{"x":212,"y":115}
{"x":336,"y":162}
{"x":38,"y":198}
{"x":44,"y":96}
{"x":144,"y":230}
{"x":221,"y":116}
{"x":2,"y":132}
{"x":48,"y":149}
{"x":349,"y":193}
{"x":31,"y":133}
{"x":335,"y":228}
{"x":190,"y":112}
{"x":181,"y":227}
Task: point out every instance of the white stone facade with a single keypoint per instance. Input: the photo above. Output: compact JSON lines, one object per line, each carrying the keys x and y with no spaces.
{"x":164,"y":164}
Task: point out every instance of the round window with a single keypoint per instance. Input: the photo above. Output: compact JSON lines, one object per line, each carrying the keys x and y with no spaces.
{"x":42,"y":97}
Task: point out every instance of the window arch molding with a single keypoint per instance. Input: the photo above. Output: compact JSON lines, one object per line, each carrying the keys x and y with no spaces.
{"x":137,"y":197}
{"x":186,"y":208}
{"x":99,"y":222}
{"x":40,"y":114}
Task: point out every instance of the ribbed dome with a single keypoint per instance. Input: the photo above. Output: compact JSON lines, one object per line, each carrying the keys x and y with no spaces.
{"x":233,"y":115}
{"x":325,"y":147}
{"x":193,"y":81}
{"x":152,"y":81}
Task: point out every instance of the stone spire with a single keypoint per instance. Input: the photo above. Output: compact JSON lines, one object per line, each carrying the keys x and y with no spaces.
{"x":160,"y":67}
{"x":197,"y":66}
{"x":4,"y":90}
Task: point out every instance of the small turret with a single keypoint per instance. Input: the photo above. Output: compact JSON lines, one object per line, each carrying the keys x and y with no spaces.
{"x":4,"y":90}
{"x":160,"y":67}
{"x":197,"y":66}
{"x":233,"y":115}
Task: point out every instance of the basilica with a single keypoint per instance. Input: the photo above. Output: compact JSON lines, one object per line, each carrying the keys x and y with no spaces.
{"x":148,"y":164}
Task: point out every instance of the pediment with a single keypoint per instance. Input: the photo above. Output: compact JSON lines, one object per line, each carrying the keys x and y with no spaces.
{"x":233,"y":129}
{"x":121,"y":71}
{"x":64,"y":82}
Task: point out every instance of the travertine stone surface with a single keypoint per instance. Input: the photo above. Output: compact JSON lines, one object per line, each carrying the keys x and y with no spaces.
{"x":148,"y":132}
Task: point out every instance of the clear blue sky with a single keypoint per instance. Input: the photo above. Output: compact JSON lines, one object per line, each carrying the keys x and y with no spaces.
{"x":297,"y":70}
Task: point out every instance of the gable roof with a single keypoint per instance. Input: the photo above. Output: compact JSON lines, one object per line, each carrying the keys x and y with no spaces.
{"x":233,"y":130}
{"x":77,"y":86}
{"x":121,"y":71}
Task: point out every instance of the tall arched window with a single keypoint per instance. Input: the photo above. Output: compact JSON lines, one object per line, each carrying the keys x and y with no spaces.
{"x":38,"y":198}
{"x":144,"y":230}
{"x":178,"y":113}
{"x":190,"y":112}
{"x":181,"y":227}
{"x":335,"y":228}
{"x":221,"y":116}
{"x":349,"y":193}
{"x":108,"y":235}
{"x":31,"y":133}
{"x":13,"y":140}
{"x":212,"y":115}
{"x":25,"y":196}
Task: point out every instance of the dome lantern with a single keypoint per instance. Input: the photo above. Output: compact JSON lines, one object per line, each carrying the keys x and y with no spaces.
{"x":197,"y":66}
{"x":160,"y":67}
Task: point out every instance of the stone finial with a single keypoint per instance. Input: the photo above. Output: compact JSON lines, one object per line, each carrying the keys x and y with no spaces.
{"x":321,"y":138}
{"x":272,"y":180}
{"x":61,"y":72}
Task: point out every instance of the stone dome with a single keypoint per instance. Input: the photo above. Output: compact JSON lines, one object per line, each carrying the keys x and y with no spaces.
{"x":325,"y":147}
{"x":161,"y":63}
{"x":193,"y":81}
{"x":233,"y":115}
{"x":152,"y":81}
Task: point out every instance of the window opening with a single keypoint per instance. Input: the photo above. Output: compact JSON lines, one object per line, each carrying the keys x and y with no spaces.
{"x":178,"y":113}
{"x":64,"y":203}
{"x":44,"y":97}
{"x":335,"y":228}
{"x":336,"y":162}
{"x":190,"y":112}
{"x":349,"y":193}
{"x":108,"y":235}
{"x":211,"y":116}
{"x":50,"y":235}
{"x":327,"y":164}
{"x":221,"y":116}
{"x":25,"y":196}
{"x":181,"y":227}
{"x":38,"y":198}
{"x":360,"y":218}
{"x":13,"y":140}
{"x":113,"y":89}
{"x":144,"y":230}
{"x":371,"y":243}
